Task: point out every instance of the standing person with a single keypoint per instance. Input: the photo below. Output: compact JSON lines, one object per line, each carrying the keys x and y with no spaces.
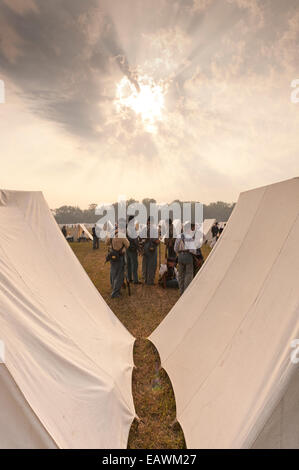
{"x":150,"y":243}
{"x":95,"y":238}
{"x":215,"y":230}
{"x":221,"y":230}
{"x":184,"y":247}
{"x":132,"y":256}
{"x":64,"y":231}
{"x":117,"y":248}
{"x":198,"y":258}
{"x":170,"y":241}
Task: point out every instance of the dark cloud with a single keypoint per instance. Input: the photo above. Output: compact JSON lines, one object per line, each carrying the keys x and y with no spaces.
{"x":62,"y":54}
{"x":63,"y":51}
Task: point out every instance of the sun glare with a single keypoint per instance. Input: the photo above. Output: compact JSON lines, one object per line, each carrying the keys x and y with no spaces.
{"x":148,"y":102}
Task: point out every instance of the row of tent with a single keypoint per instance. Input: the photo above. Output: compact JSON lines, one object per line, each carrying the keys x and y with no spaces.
{"x":75,"y":232}
{"x":227,"y":344}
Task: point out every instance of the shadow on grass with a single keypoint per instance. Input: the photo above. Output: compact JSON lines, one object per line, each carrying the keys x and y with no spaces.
{"x":155,"y":403}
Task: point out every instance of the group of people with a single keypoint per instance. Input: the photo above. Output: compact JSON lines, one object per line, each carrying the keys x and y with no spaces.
{"x":183,"y":258}
{"x":80,"y":236}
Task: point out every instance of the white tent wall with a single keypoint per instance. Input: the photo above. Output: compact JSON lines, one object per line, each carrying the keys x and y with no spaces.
{"x":226,"y":343}
{"x":70,"y":356}
{"x":281,"y":430}
{"x":76,"y":231}
{"x":19,"y":426}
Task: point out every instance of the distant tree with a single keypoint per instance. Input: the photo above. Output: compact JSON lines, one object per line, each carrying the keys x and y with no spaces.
{"x":146,"y":202}
{"x":219,"y":210}
{"x":68,"y":215}
{"x":131,"y":201}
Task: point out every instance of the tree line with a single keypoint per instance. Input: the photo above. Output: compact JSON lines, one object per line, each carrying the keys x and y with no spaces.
{"x":73,"y":214}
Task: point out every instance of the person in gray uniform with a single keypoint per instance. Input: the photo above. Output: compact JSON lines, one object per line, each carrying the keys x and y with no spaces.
{"x":150,"y":244}
{"x":132,"y":256}
{"x":117,"y":248}
{"x":184,"y":247}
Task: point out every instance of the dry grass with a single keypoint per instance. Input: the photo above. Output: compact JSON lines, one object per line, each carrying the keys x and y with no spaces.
{"x":141,"y":314}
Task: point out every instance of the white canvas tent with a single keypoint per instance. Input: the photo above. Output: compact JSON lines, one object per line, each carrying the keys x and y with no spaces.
{"x":66,"y":381}
{"x":77,"y":230}
{"x":85,"y":231}
{"x":226,"y":344}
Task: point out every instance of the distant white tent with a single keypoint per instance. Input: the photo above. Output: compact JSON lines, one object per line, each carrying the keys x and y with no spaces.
{"x":66,"y":381}
{"x":83,"y":231}
{"x":226,"y":344}
{"x":78,"y":231}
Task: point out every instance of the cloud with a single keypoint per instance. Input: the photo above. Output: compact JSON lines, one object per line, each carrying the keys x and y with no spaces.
{"x":226,"y":66}
{"x":58,"y":55}
{"x":21,"y":6}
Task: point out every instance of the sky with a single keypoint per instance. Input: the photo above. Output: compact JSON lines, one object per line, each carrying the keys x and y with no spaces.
{"x":170,"y":99}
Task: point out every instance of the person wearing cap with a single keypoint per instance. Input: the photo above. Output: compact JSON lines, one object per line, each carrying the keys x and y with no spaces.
{"x":170,"y":241}
{"x":150,"y":242}
{"x":185,"y":248}
{"x":117,"y":243}
{"x":95,"y":238}
{"x":64,"y":231}
{"x":215,"y":230}
{"x":132,"y":252}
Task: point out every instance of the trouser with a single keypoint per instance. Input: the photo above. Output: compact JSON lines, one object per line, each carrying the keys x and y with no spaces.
{"x":117,"y":269}
{"x":95,"y":243}
{"x":170,"y":252}
{"x":149,"y":267}
{"x":185,"y":268}
{"x":172,"y":283}
{"x":132,"y":261}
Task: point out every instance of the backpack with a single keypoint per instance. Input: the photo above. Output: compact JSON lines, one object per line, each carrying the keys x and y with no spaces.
{"x":114,"y":255}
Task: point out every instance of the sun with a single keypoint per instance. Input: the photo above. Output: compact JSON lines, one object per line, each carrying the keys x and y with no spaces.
{"x":148,"y":101}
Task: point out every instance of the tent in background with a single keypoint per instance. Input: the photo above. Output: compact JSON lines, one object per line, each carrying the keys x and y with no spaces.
{"x":82,"y":230}
{"x":66,"y":381}
{"x":77,"y":232}
{"x":226,"y":344}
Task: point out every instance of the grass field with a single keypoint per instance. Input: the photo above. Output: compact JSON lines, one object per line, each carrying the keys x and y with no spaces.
{"x":141,"y":313}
